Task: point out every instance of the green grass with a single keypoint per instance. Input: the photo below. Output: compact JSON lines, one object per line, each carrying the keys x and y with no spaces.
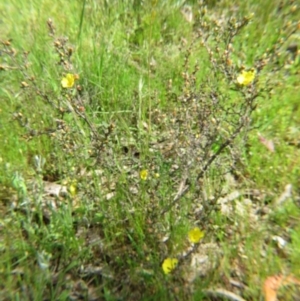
{"x":151,"y":95}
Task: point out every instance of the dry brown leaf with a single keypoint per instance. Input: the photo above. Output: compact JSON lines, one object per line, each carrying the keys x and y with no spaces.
{"x":273,"y":283}
{"x":285,"y":195}
{"x":204,"y":258}
{"x":269,"y":144}
{"x":54,"y":189}
{"x":187,"y":13}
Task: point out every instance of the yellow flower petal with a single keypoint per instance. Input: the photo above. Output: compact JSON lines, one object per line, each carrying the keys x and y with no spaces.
{"x":144,"y":174}
{"x":195,"y":235}
{"x":68,"y":81}
{"x":169,"y":265}
{"x":246,"y":77}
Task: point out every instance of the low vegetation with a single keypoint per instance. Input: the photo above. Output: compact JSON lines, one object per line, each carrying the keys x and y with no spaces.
{"x":150,"y":150}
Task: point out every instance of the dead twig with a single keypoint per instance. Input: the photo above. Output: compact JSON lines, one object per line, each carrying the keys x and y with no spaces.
{"x":224,"y":294}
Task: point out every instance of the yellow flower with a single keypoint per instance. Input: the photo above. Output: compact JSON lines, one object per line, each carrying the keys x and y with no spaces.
{"x":68,"y":81}
{"x":73,"y":189}
{"x":246,"y":77}
{"x":169,"y":265}
{"x":195,"y":235}
{"x":144,"y":174}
